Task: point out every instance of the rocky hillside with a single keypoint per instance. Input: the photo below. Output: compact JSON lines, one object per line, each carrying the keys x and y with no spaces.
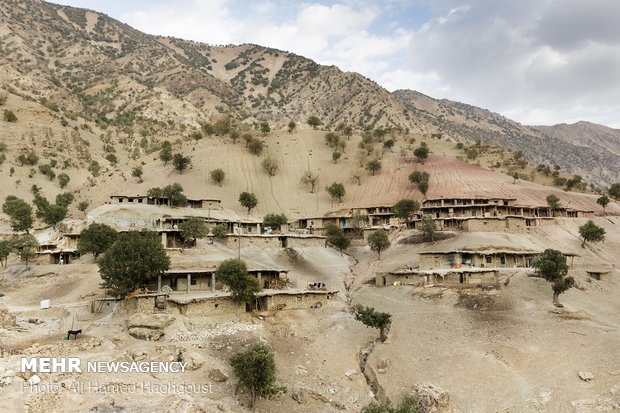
{"x":591,"y":151}
{"x":116,"y":91}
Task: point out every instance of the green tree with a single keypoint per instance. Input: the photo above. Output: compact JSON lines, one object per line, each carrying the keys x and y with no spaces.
{"x":243,"y":287}
{"x":374,"y":319}
{"x":83,"y":205}
{"x":388,"y":145}
{"x":405,"y":208}
{"x":65,"y":199}
{"x":193,"y":228}
{"x":337,"y":238}
{"x":378,"y":241}
{"x":255,"y":146}
{"x":134,"y":259}
{"x":374,"y":166}
{"x":553,"y":203}
{"x":222,"y":126}
{"x":248,"y":138}
{"x":590,"y":232}
{"x":408,"y":404}
{"x":234,"y":135}
{"x":310,"y":179}
{"x":421,"y":153}
{"x":291,"y":126}
{"x":248,"y":200}
{"x":614,"y":190}
{"x":6,"y":248}
{"x":137,"y":172}
{"x":180,"y":162}
{"x":256,"y":370}
{"x":219,"y":231}
{"x":314,"y":121}
{"x":551,"y":265}
{"x":271,"y":166}
{"x":20,"y":213}
{"x":423,"y":187}
{"x":335,"y":156}
{"x":26,"y":248}
{"x":63,"y":179}
{"x":218,"y":176}
{"x":603,"y":201}
{"x":275,"y":221}
{"x":96,"y":239}
{"x":174,"y":193}
{"x":428,"y":228}
{"x":9,"y":116}
{"x":336,"y":191}
{"x":166,"y":152}
{"x":265,"y":128}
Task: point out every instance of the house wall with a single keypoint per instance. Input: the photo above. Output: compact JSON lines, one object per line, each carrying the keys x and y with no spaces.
{"x":484,"y":225}
{"x":439,"y":261}
{"x":295,"y":301}
{"x":270,"y":241}
{"x":294,"y":242}
{"x":433,"y":261}
{"x":210,"y":306}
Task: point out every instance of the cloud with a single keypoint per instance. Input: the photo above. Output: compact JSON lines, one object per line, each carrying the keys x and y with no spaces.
{"x":538,"y":61}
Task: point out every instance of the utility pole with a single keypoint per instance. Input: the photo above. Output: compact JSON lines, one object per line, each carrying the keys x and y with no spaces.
{"x":239,"y":240}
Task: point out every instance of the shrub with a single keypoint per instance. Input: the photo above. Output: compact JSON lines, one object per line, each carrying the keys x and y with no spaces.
{"x":9,"y":116}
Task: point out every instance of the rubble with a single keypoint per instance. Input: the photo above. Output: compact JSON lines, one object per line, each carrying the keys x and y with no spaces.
{"x":430,"y":398}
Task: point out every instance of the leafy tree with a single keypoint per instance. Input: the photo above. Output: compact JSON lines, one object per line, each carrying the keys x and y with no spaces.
{"x":174,"y":193}
{"x":265,"y":128}
{"x":243,"y":287}
{"x":374,"y":319}
{"x":248,"y":200}
{"x":421,"y":153}
{"x":180,"y":162}
{"x":418,"y":176}
{"x":374,"y":166}
{"x":551,"y":265}
{"x":6,"y":247}
{"x":603,"y":201}
{"x":9,"y":116}
{"x":221,"y":126}
{"x":591,"y":232}
{"x":291,"y":126}
{"x":46,"y":170}
{"x":274,"y":221}
{"x":193,"y":228}
{"x":166,"y":152}
{"x":335,"y":156}
{"x":96,"y":239}
{"x":378,"y":241}
{"x":271,"y":166}
{"x":388,"y":145}
{"x":234,"y":135}
{"x":134,"y":259}
{"x":336,"y":191}
{"x":137,"y":172}
{"x":347,"y":131}
{"x":219,"y":231}
{"x":314,"y":121}
{"x":405,"y":208}
{"x":256,"y":371}
{"x":332,"y":139}
{"x":20,"y":213}
{"x":255,"y":146}
{"x":357,"y":221}
{"x":311,"y":179}
{"x":26,"y":248}
{"x":218,"y":176}
{"x":408,"y":404}
{"x":65,"y":199}
{"x":423,"y":187}
{"x":614,"y":191}
{"x":336,"y":237}
{"x":112,"y":159}
{"x":83,"y":205}
{"x":94,"y":168}
{"x":553,"y":202}
{"x":429,"y":228}
{"x":63,"y":179}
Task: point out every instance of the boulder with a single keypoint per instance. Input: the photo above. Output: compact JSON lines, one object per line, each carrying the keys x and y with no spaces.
{"x":217,"y":375}
{"x":147,"y":334}
{"x":431,"y":398}
{"x":34,"y":380}
{"x":154,"y":321}
{"x":7,"y":319}
{"x":194,"y":361}
{"x":300,"y":395}
{"x":586,"y":376}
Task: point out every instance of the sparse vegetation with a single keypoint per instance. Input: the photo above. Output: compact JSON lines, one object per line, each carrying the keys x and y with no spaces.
{"x":9,"y":116}
{"x":271,"y":166}
{"x":310,"y":179}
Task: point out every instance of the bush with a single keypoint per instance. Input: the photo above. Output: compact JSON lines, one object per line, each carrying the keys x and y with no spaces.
{"x":9,"y":116}
{"x":271,"y":166}
{"x":255,"y":146}
{"x":219,"y":231}
{"x":63,"y":179}
{"x":218,"y":176}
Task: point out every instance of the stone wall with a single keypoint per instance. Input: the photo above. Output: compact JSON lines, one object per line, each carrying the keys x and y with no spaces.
{"x":260,"y":241}
{"x":209,"y":306}
{"x":295,"y":301}
{"x":484,"y":225}
{"x":301,"y":242}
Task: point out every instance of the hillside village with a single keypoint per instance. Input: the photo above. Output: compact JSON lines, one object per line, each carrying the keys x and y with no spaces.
{"x":337,"y":196}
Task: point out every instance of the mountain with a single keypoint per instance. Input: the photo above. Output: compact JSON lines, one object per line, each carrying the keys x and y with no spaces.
{"x":598,"y":138}
{"x":595,"y":158}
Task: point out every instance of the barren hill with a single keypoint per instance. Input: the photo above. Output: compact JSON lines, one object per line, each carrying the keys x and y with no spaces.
{"x":591,"y":151}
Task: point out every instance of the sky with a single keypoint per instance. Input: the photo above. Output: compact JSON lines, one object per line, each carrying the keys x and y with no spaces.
{"x":538,"y":62}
